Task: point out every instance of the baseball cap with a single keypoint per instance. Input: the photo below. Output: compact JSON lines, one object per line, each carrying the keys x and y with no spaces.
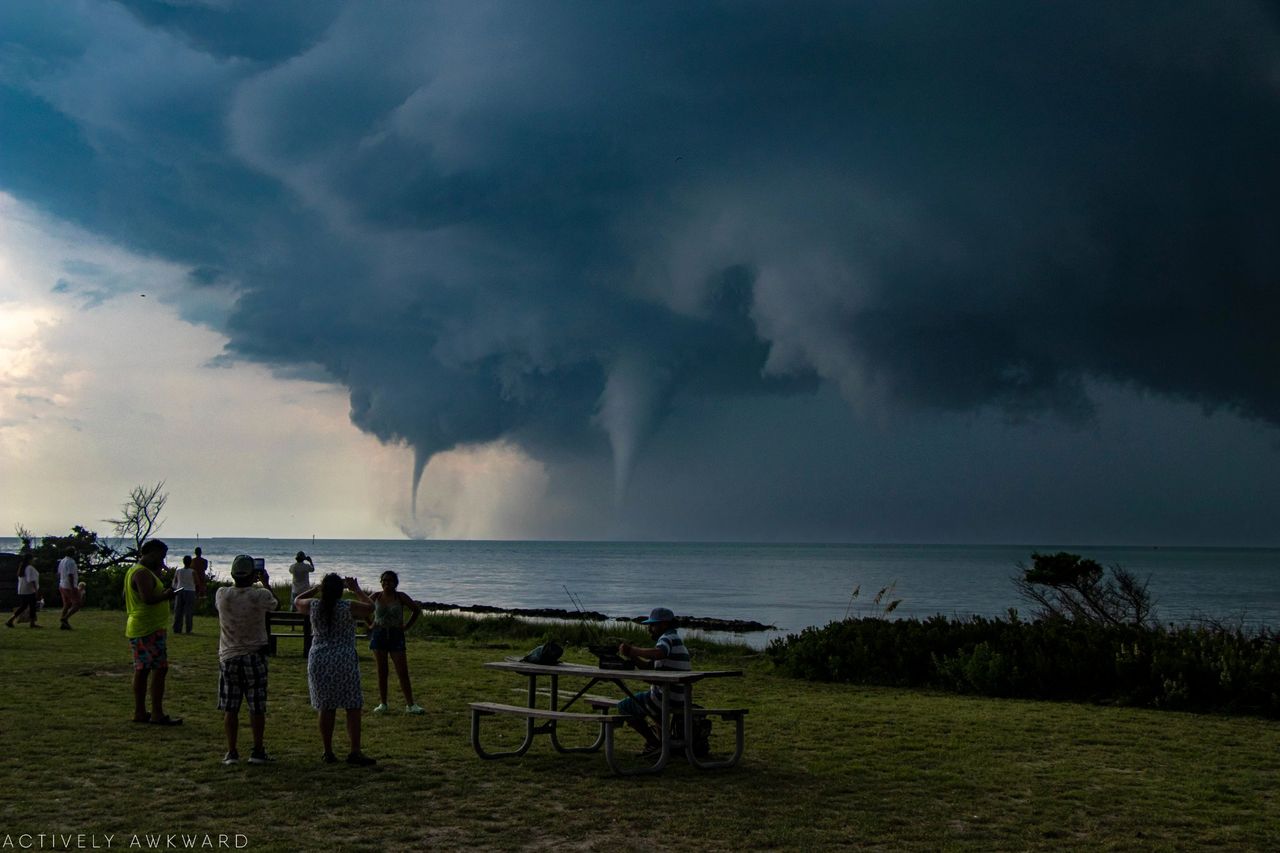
{"x":242,"y":567}
{"x":659,"y":614}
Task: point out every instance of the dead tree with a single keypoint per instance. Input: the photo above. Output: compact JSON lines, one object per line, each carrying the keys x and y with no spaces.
{"x":141,"y":514}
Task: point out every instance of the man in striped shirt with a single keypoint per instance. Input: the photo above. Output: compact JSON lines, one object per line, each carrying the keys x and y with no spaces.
{"x":668,"y":652}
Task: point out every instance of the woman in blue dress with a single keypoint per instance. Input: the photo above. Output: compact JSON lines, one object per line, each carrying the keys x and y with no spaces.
{"x":333,"y":668}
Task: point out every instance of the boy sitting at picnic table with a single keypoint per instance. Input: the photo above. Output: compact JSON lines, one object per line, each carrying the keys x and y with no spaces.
{"x":668,"y":652}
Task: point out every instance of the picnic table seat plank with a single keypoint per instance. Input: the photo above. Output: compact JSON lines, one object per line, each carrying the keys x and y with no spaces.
{"x":604,"y":703}
{"x":593,"y":700}
{"x":607,"y":722}
{"x":542,"y":713}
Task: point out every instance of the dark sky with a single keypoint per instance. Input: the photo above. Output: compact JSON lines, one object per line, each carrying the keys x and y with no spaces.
{"x":910,"y":271}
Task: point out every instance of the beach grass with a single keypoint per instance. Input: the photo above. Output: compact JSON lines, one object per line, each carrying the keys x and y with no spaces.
{"x":827,"y":766}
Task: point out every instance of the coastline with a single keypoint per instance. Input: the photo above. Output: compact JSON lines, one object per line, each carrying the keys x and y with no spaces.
{"x":702,"y":623}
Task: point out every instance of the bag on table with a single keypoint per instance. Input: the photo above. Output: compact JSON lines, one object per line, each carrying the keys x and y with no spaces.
{"x":548,"y":653}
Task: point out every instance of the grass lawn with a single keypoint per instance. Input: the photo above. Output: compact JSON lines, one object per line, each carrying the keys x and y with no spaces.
{"x":826,"y":766}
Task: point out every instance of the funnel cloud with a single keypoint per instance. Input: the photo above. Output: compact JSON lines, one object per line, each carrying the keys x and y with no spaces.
{"x":602,"y":233}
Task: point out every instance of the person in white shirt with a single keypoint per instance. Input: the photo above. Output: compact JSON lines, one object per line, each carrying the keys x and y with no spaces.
{"x":28,"y":590}
{"x":242,"y":666}
{"x":301,"y":571}
{"x":184,"y":598}
{"x":69,"y":587}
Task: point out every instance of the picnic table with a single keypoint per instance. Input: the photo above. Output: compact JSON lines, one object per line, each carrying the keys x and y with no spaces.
{"x":285,"y":623}
{"x":544,"y":720}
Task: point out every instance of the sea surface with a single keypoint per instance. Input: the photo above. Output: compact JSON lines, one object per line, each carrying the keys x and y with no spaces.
{"x":789,"y":586}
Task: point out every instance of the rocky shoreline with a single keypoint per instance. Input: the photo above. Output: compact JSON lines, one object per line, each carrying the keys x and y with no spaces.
{"x":703,"y":623}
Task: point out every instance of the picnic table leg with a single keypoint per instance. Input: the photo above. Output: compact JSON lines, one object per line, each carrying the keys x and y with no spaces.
{"x":724,"y":762}
{"x":554,"y":731}
{"x":476,"y":714}
{"x":529,"y":731}
{"x":690,"y":738}
{"x":663,"y":756}
{"x":611,"y":753}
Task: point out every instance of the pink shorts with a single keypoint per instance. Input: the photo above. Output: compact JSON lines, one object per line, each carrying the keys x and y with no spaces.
{"x":70,"y":595}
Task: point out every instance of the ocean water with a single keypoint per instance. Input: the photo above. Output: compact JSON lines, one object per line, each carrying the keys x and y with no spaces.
{"x":790,"y":586}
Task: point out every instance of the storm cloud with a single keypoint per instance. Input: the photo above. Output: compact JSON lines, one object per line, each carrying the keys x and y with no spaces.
{"x":564,"y":225}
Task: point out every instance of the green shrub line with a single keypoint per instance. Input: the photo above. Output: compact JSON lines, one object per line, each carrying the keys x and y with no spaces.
{"x":1178,"y":667}
{"x":1182,"y":667}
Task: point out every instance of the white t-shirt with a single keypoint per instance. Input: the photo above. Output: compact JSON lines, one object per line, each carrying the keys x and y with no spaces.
{"x":242,"y":619}
{"x":28,"y":581}
{"x":68,"y":572}
{"x":300,"y":570}
{"x":184,"y":578}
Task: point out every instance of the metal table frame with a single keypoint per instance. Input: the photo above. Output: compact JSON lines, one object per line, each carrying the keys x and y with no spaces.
{"x":595,"y":675}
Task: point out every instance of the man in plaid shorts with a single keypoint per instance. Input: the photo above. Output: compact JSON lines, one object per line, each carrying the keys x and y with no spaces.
{"x":242,"y":665}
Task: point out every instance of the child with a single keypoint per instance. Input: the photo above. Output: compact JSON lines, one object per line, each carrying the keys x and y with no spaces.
{"x":387,"y":638}
{"x":668,"y":652}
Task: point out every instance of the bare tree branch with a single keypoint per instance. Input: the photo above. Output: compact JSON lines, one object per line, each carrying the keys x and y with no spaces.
{"x":141,"y":514}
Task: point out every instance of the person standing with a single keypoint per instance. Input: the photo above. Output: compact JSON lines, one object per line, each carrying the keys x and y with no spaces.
{"x":69,"y":587}
{"x":301,"y":572}
{"x":28,"y":591}
{"x":200,"y":570}
{"x":146,"y":601}
{"x":387,"y":639}
{"x":333,"y":667}
{"x":184,"y":598}
{"x":242,"y":666}
{"x":202,"y":586}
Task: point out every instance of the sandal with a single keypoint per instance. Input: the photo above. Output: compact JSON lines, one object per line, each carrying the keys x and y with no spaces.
{"x":145,"y":719}
{"x":166,"y":720}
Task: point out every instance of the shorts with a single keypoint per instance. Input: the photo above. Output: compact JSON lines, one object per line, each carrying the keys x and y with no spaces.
{"x":243,"y":678}
{"x":386,"y":639}
{"x":151,"y":651}
{"x":70,"y":595}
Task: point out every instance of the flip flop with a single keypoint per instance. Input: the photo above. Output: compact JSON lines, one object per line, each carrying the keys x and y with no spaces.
{"x":146,"y":719}
{"x":166,"y":720}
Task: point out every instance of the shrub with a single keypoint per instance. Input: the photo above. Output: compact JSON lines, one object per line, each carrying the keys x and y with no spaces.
{"x":1198,"y":668}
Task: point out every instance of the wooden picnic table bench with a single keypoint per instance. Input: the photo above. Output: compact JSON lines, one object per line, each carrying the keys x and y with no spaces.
{"x":285,"y":623}
{"x":606,"y":722}
{"x":672,"y":737}
{"x":602,"y":703}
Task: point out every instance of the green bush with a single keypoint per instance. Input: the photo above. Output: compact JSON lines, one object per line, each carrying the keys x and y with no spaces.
{"x":1184,"y":667}
{"x":105,"y":587}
